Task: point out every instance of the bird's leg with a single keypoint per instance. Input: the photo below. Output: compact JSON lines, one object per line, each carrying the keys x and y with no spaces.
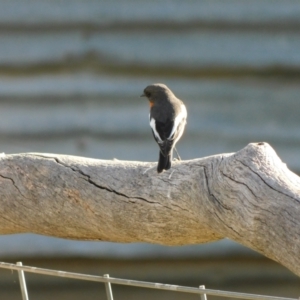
{"x":148,"y":170}
{"x":171,"y":175}
{"x":178,"y":157}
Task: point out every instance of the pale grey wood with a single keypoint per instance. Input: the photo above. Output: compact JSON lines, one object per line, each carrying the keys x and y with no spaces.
{"x":249,"y":196}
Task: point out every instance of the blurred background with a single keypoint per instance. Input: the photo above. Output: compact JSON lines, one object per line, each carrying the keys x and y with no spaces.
{"x":71,"y":76}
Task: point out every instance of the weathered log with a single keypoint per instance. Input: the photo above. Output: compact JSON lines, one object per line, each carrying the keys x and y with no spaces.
{"x":249,"y":196}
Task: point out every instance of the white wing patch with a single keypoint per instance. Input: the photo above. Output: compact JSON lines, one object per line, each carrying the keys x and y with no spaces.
{"x":181,"y":117}
{"x":153,"y":126}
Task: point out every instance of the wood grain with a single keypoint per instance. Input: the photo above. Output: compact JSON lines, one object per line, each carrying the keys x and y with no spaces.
{"x":249,"y":196}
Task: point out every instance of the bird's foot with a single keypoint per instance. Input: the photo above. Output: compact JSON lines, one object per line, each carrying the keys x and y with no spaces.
{"x":176,"y":159}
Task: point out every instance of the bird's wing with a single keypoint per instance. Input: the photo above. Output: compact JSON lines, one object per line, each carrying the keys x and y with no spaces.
{"x":179,"y":124}
{"x":178,"y":132}
{"x":169,"y":132}
{"x":161,"y":131}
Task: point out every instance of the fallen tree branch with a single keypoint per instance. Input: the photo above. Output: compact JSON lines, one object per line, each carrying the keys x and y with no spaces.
{"x":250,"y":197}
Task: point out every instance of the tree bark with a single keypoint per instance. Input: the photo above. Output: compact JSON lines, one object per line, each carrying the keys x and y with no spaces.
{"x":250,"y":197}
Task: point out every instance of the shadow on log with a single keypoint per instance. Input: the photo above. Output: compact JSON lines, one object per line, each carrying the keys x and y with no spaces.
{"x":249,"y":196}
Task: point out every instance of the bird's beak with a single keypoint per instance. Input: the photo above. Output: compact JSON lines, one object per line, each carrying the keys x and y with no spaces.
{"x":143,"y":95}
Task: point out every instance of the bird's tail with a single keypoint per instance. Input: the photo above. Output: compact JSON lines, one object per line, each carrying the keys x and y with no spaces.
{"x":164,"y":162}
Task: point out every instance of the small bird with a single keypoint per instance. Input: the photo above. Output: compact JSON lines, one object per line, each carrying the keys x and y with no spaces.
{"x":167,"y":120}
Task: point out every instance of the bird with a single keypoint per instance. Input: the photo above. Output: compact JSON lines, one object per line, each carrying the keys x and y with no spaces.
{"x":167,"y":118}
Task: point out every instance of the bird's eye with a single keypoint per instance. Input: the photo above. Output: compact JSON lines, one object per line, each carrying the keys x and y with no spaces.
{"x":148,"y":94}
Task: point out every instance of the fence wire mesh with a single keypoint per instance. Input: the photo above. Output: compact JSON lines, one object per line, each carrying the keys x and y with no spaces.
{"x":202,"y":291}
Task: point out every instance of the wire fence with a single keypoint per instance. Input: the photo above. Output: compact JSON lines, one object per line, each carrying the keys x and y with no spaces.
{"x":202,"y":291}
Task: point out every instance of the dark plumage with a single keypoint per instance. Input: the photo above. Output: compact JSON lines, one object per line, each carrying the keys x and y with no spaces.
{"x":167,"y":120}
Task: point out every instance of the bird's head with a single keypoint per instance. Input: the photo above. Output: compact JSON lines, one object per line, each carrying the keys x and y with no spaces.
{"x":157,"y":92}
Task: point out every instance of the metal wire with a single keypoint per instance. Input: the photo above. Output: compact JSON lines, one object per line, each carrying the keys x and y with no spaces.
{"x":22,"y":282}
{"x":144,"y":284}
{"x":203,"y":296}
{"x":108,"y":289}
